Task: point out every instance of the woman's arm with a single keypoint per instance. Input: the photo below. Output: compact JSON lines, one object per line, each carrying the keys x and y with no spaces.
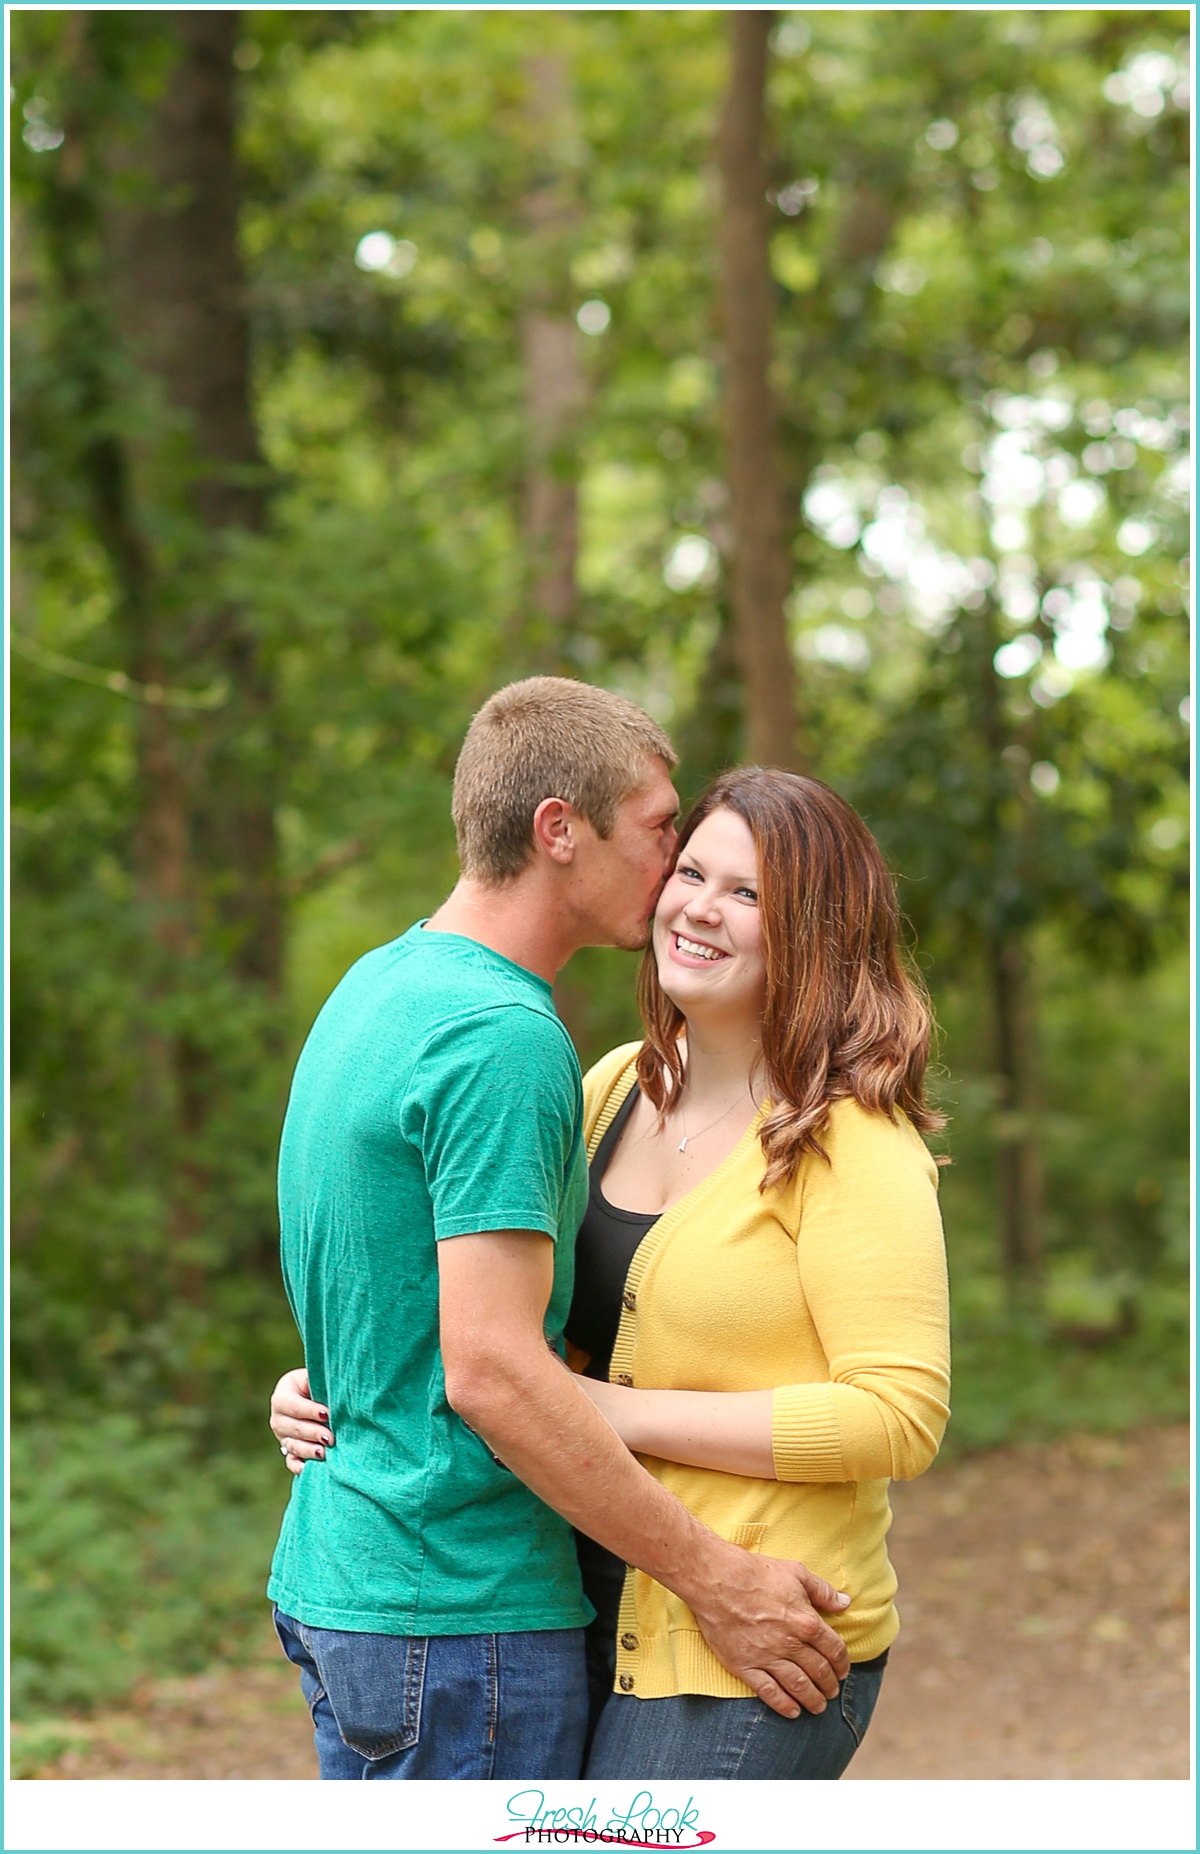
{"x":729,"y":1430}
{"x":872,"y":1267}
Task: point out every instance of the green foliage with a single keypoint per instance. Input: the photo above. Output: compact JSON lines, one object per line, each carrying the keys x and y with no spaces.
{"x":131,"y":1558}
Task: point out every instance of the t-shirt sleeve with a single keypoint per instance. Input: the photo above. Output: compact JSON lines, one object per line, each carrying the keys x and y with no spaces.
{"x":494,"y":1106}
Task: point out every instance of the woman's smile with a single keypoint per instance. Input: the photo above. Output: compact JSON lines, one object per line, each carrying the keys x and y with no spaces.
{"x":690,"y":952}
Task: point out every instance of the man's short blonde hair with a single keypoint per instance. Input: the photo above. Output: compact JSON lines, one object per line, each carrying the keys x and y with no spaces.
{"x":547,"y":737}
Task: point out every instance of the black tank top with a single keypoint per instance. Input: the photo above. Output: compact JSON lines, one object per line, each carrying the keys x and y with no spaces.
{"x":604,"y":1248}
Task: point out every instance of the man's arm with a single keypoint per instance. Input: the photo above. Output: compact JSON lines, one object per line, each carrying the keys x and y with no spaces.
{"x":756,"y":1613}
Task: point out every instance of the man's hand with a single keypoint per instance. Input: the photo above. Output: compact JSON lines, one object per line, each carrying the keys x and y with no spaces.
{"x":299,"y":1422}
{"x":756,"y":1613}
{"x":759,"y":1617}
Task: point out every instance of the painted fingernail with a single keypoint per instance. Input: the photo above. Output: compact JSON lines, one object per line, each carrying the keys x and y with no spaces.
{"x":322,"y":1416}
{"x":328,"y":1441}
{"x":320,"y":1455}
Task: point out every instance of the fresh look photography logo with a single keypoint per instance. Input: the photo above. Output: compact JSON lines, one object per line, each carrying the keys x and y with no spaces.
{"x":647,"y":1822}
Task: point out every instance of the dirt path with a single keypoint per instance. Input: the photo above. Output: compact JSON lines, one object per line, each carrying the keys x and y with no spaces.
{"x":1045,"y":1601}
{"x":1044,"y":1594}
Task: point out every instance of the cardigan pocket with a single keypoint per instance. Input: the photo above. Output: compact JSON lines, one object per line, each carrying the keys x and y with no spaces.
{"x":749,"y":1537}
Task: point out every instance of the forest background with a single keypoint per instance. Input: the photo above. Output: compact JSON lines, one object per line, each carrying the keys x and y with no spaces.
{"x":818,"y":379}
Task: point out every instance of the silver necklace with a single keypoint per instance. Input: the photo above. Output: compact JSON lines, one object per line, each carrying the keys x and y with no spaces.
{"x":682,"y":1147}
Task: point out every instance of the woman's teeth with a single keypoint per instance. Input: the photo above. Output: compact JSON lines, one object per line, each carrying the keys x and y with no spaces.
{"x":696,"y":950}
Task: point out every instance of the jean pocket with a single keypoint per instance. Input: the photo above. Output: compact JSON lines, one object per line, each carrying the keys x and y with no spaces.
{"x":374,"y":1684}
{"x":860,"y":1690}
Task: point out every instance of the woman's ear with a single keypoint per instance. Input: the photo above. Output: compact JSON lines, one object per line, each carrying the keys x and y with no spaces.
{"x":554,"y":830}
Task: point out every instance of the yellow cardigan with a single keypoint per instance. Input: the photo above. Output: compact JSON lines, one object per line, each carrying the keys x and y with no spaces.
{"x":831,"y":1291}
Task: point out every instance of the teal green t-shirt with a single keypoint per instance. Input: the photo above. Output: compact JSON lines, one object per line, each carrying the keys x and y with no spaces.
{"x":438,"y":1094}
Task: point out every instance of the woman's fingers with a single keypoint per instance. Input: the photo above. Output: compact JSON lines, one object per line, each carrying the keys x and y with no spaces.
{"x":305,"y":1451}
{"x":283,"y":1427}
{"x":299,"y":1425}
{"x":293,"y":1394}
{"x":293,"y":1413}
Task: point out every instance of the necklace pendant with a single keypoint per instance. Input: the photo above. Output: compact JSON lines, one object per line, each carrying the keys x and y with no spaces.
{"x":683,"y":1143}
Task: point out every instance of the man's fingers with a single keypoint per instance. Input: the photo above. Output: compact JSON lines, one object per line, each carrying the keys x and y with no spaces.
{"x":821,"y":1593}
{"x":771,"y":1693}
{"x":795,"y":1685}
{"x":816,"y":1634}
{"x":795,"y":1681}
{"x":818,"y":1670}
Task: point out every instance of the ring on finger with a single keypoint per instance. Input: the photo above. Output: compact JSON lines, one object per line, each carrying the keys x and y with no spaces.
{"x":285,"y":1448}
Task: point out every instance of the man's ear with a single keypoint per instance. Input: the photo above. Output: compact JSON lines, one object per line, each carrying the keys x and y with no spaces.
{"x":554,"y":830}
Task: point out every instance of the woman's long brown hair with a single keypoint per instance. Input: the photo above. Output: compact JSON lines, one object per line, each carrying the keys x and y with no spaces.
{"x":846,"y":1014}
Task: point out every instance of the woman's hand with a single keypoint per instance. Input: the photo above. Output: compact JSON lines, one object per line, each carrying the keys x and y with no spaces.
{"x":297,"y":1422}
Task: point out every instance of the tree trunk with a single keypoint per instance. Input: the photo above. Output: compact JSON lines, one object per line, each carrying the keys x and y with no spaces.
{"x":712,"y":737}
{"x":1018,"y":1156}
{"x":761,"y":574}
{"x":181,"y":305}
{"x":556,"y":390}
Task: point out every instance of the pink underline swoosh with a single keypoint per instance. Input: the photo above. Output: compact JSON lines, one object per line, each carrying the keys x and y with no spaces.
{"x":703,"y":1837}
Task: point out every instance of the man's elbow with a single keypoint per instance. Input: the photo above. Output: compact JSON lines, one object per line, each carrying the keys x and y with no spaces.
{"x":480,"y":1387}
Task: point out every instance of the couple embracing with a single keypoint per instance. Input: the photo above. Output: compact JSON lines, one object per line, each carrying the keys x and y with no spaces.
{"x":605,"y":1380}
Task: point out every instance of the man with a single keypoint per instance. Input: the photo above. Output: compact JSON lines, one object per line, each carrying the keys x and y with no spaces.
{"x":432,"y":1177}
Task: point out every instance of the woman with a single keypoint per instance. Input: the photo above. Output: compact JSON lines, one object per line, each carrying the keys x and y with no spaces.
{"x":760,"y":1302}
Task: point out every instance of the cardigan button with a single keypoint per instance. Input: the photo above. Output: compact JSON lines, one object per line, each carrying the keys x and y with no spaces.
{"x":629,"y":1300}
{"x":629,"y":1641}
{"x":626,"y":1683}
{"x":624,"y":1378}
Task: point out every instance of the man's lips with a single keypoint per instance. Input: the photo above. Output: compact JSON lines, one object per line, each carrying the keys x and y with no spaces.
{"x":713,"y":956}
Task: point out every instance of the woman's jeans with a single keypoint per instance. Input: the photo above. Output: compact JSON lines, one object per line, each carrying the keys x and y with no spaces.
{"x":692,"y":1737}
{"x":473,"y":1707}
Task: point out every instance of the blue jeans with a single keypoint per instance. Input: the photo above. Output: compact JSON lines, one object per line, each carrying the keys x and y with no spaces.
{"x":692,"y":1737}
{"x":474,"y":1707}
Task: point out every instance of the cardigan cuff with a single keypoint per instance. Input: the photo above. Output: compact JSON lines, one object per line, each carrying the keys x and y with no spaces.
{"x":806,"y":1440}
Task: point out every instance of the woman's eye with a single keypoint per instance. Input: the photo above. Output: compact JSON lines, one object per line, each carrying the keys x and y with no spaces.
{"x":685,"y":869}
{"x":751,"y":894}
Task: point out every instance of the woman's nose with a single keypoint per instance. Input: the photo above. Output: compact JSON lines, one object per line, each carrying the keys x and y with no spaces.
{"x":701,"y":907}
